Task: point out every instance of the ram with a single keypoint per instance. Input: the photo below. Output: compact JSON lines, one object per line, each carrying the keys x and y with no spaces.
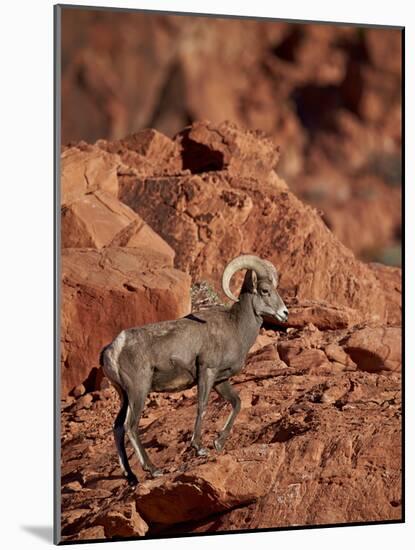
{"x":203,"y":349}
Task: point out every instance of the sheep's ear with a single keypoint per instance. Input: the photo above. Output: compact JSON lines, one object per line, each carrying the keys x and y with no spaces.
{"x":254,"y":279}
{"x":250,"y":282}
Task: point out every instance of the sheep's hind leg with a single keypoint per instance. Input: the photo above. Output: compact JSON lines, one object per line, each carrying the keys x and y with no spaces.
{"x":119,"y":437}
{"x":226,"y":391}
{"x":135,"y":408}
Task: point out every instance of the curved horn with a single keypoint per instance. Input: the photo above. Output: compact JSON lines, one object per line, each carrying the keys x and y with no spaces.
{"x":272,"y":272}
{"x":246,"y":261}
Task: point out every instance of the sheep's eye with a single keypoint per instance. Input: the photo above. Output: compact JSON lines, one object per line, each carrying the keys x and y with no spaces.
{"x":265,"y":292}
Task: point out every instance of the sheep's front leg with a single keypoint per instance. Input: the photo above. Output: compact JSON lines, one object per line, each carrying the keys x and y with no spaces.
{"x":226,"y":391}
{"x":205,"y":382}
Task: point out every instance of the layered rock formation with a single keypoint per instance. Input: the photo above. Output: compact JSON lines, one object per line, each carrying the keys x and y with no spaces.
{"x":330,"y":95}
{"x":115,"y":270}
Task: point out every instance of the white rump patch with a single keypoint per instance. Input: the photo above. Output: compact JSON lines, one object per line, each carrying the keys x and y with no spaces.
{"x":111,"y":366}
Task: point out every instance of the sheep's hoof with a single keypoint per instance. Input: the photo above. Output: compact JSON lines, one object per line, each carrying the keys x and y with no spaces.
{"x":156,"y":472}
{"x":218,"y":443}
{"x":202,"y":452}
{"x":132,"y":480}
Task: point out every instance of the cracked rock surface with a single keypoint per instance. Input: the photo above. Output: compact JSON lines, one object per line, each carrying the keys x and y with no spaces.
{"x":317,"y":442}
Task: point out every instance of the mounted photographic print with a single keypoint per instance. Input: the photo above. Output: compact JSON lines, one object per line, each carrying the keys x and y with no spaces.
{"x":228,"y":274}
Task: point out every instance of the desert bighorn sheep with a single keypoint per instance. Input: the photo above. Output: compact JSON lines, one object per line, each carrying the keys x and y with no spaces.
{"x":204,"y":348}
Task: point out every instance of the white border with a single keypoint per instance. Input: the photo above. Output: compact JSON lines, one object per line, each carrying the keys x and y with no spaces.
{"x":26,"y":273}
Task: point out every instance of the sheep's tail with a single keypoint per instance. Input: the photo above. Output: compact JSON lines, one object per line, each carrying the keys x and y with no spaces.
{"x":108,"y":358}
{"x":101,"y":355}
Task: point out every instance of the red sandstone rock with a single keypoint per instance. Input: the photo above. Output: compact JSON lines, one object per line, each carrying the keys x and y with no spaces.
{"x":99,"y":220}
{"x":91,"y":533}
{"x":86,"y":171}
{"x":315,"y":352}
{"x":262,"y":341}
{"x":375,"y":349}
{"x":84,"y":402}
{"x":122,"y":521}
{"x":336,"y":353}
{"x":104,"y":292}
{"x":210,"y":217}
{"x":236,"y":478}
{"x":321,"y":92}
{"x":391,"y":280}
{"x":320,"y":403}
{"x":206,"y":147}
{"x":147,"y":152}
{"x":384,"y":49}
{"x":345,"y":200}
{"x":324,"y":316}
{"x":114,"y":83}
{"x":79,"y":390}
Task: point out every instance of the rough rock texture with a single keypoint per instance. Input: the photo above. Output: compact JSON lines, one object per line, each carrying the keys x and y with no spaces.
{"x":130,"y":283}
{"x":330,"y":95}
{"x":376,"y":348}
{"x":207,"y":147}
{"x":99,"y":220}
{"x":211,"y":216}
{"x":85,"y":170}
{"x":391,"y":280}
{"x":239,"y":477}
{"x":317,"y":442}
{"x":105,"y":291}
{"x":147,"y":152}
{"x":321,"y":314}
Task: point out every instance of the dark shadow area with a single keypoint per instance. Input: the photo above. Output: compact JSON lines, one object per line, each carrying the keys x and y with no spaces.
{"x":365,"y":359}
{"x":198,"y":158}
{"x":274,"y":325}
{"x":71,"y":477}
{"x":317,"y":105}
{"x":94,"y":379}
{"x":308,"y":100}
{"x":287,"y":49}
{"x":193,"y":317}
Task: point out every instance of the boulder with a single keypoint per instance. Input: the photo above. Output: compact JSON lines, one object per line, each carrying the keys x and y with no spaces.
{"x":321,"y":314}
{"x":85,"y":170}
{"x":105,"y":291}
{"x":121,"y":520}
{"x":98,"y":220}
{"x":206,"y":147}
{"x":194,"y":214}
{"x":237,"y":478}
{"x":375,"y":349}
{"x":148,"y":152}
